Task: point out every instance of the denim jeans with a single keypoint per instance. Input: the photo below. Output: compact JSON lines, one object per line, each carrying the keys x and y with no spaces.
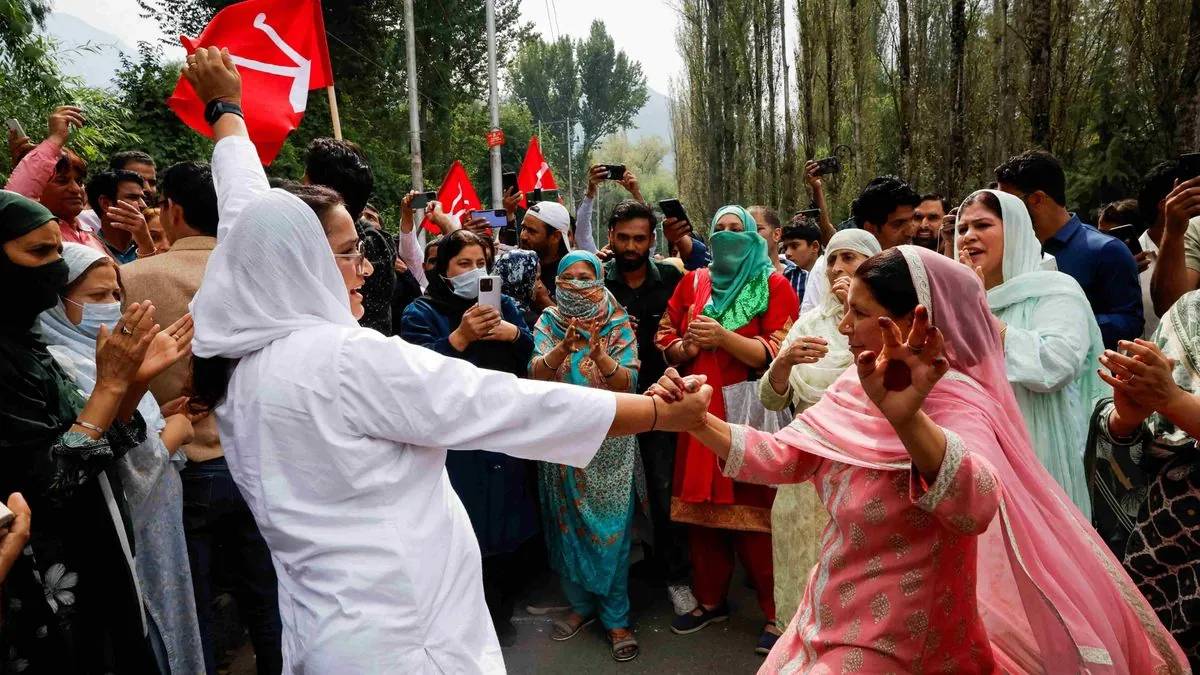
{"x":223,"y":541}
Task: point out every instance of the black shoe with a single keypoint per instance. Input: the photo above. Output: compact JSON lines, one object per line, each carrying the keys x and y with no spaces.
{"x":766,"y":641}
{"x":690,"y":623}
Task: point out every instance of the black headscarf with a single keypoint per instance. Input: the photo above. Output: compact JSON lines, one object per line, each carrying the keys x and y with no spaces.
{"x":37,"y":400}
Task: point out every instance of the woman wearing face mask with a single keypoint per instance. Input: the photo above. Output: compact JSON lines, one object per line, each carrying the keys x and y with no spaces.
{"x":950,"y":548}
{"x":519,"y":272}
{"x":337,"y":436}
{"x":149,"y":473}
{"x":587,"y":340}
{"x":812,"y":357}
{"x":71,"y":602}
{"x":1050,"y":336}
{"x":496,"y":489}
{"x":725,"y":322}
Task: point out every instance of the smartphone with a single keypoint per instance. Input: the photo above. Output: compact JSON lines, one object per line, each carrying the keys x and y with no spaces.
{"x":671,"y":208}
{"x":1129,"y":235}
{"x":828,"y":165}
{"x":489,"y":292}
{"x":809,"y":213}
{"x":6,"y":516}
{"x":14,"y":126}
{"x":1189,"y":166}
{"x":615,"y":171}
{"x":508,"y":181}
{"x":540,"y":195}
{"x":422,"y":200}
{"x":496,"y":218}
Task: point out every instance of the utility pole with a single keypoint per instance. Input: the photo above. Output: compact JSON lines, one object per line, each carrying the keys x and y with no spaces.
{"x":497,"y":188}
{"x":414,"y":117}
{"x":570,"y":182}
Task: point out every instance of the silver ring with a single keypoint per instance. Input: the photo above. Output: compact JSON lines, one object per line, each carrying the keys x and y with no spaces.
{"x":126,"y":331}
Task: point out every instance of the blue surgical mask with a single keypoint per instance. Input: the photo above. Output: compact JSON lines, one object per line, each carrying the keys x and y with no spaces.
{"x":466,"y":285}
{"x":97,"y":313}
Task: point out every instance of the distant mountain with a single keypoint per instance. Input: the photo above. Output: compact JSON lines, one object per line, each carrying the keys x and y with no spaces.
{"x":654,"y":119}
{"x":95,"y":68}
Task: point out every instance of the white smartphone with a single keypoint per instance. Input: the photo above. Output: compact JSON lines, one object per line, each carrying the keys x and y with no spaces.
{"x":6,"y":517}
{"x":489,"y":292}
{"x":15,"y":126}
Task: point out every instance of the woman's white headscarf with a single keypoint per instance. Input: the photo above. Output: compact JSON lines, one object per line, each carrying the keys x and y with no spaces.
{"x":809,"y":380}
{"x":271,"y":275}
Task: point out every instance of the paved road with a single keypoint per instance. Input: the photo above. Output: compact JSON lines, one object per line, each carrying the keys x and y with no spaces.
{"x":726,"y":648}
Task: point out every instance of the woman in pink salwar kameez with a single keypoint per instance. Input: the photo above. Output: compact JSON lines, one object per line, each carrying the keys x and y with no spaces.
{"x":949,"y":548}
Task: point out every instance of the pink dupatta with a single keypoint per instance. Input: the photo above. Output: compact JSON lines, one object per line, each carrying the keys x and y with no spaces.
{"x":1052,"y":596}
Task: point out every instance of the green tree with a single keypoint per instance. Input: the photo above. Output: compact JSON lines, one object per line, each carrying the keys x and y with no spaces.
{"x":144,"y":83}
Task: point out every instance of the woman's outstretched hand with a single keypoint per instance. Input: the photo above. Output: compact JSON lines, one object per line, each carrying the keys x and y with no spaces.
{"x":685,"y":401}
{"x":900,"y":377}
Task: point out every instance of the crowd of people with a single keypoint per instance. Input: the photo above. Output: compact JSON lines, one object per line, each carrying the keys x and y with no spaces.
{"x":937,"y":438}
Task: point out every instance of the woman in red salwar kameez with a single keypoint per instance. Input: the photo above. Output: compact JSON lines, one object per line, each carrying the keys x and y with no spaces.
{"x":949,"y":548}
{"x":726,"y":322}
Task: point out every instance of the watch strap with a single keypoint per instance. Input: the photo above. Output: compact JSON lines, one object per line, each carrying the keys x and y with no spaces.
{"x":216,"y":108}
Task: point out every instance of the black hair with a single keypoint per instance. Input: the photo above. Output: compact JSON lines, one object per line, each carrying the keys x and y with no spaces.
{"x":432,"y":243}
{"x":1035,"y":170}
{"x":341,"y":165}
{"x":452,"y":244}
{"x":987,"y":200}
{"x":105,"y":185}
{"x":935,"y":197}
{"x":632,"y":209}
{"x":123,"y":159}
{"x":890,"y":281}
{"x":768,"y":214}
{"x":190,"y":185}
{"x":322,"y":200}
{"x":1156,"y":185}
{"x":802,"y":228}
{"x":1123,"y":212}
{"x":879,"y":198}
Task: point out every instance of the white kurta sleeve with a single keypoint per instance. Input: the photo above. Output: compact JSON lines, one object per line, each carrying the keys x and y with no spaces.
{"x":391,"y":389}
{"x":812,"y":287}
{"x":1052,"y":354}
{"x":412,"y":255}
{"x":238,"y":177}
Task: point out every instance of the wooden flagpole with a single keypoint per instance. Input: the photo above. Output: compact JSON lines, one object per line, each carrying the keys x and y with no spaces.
{"x":333,"y":113}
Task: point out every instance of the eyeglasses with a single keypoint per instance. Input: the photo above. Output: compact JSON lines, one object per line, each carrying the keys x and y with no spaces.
{"x":358,"y":258}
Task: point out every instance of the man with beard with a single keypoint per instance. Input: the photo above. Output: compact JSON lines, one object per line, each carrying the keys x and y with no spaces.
{"x":928,"y":218}
{"x":544,"y":230}
{"x":644,"y":286}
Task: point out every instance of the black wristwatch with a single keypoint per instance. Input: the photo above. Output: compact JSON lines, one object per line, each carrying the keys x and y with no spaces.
{"x":217,"y":107}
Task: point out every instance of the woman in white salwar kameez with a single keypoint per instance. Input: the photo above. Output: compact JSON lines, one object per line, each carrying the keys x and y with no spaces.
{"x":336,"y":435}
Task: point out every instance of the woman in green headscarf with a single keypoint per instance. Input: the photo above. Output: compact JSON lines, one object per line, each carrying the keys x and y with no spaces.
{"x":71,"y":603}
{"x":726,"y":322}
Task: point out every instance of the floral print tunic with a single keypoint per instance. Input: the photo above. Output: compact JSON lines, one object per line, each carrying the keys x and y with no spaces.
{"x":894,"y":590}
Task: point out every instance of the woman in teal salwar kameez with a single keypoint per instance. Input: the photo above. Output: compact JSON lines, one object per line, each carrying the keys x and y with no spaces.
{"x":587,"y":339}
{"x":1051,"y":340}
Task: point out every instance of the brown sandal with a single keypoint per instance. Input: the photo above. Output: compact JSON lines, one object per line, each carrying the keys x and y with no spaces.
{"x":564,"y":630}
{"x":624,"y":650}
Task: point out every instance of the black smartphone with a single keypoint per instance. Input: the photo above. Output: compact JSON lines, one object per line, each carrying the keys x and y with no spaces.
{"x":1189,"y":166}
{"x":422,"y":200}
{"x":809,"y":213}
{"x":671,"y":208}
{"x":615,"y":171}
{"x":536,"y":196}
{"x":508,"y":181}
{"x":1129,"y":235}
{"x":828,"y":165}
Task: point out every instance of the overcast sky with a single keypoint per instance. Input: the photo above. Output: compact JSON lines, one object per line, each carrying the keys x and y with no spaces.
{"x":645,"y":29}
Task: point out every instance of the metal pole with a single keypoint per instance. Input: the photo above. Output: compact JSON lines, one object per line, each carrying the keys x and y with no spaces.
{"x":497,"y":188}
{"x":570,"y":182}
{"x":414,"y":117}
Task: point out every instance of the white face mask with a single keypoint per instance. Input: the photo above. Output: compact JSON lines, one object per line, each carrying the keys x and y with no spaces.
{"x":97,"y":313}
{"x":466,"y":285}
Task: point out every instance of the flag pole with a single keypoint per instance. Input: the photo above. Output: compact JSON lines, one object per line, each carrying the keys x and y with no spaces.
{"x":333,"y":113}
{"x":494,"y":96}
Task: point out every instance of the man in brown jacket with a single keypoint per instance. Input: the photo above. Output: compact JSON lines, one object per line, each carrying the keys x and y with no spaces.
{"x":223,"y":541}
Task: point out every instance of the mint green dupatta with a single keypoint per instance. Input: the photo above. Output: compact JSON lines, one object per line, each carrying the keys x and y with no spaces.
{"x":740,"y":270}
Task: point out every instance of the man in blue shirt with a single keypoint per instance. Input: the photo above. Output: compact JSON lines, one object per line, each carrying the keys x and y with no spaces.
{"x":117,"y":199}
{"x":1102,"y":265}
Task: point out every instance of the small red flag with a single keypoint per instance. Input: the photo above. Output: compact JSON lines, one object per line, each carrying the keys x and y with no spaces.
{"x":280,"y":50}
{"x":457,"y":196}
{"x":535,"y":172}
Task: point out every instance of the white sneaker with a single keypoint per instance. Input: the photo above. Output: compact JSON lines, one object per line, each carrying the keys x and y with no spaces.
{"x":682,"y":599}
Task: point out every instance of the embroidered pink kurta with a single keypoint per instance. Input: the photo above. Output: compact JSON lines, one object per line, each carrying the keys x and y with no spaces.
{"x":894,"y":590}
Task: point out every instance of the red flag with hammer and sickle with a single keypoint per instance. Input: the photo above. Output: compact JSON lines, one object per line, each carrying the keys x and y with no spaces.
{"x":535,"y":172}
